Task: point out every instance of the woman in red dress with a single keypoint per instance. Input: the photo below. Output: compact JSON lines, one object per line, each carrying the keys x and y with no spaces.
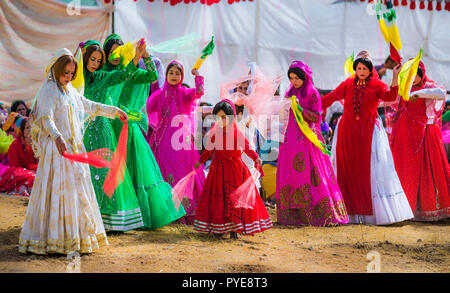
{"x":365,"y":169}
{"x":19,"y":177}
{"x":418,"y":151}
{"x":216,"y":212}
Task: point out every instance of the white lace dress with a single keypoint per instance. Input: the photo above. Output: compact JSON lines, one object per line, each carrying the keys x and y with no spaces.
{"x":63,"y":215}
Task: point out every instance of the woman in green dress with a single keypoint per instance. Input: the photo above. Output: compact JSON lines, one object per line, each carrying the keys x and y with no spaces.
{"x":153,"y":193}
{"x":121,"y":212}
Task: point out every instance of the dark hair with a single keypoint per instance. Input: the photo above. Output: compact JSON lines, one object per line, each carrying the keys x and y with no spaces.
{"x":91,"y":49}
{"x":420,"y":72}
{"x":185,"y":85}
{"x":16,"y":104}
{"x":239,"y":109}
{"x":297,"y":71}
{"x":224,"y":106}
{"x":364,"y":61}
{"x":172,"y":65}
{"x":60,"y":65}
{"x":110,"y":44}
{"x":389,"y":58}
{"x":335,"y":116}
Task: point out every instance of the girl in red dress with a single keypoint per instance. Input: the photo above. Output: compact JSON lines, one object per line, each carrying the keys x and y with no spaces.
{"x":364,"y":165}
{"x":418,"y":151}
{"x":216,"y":212}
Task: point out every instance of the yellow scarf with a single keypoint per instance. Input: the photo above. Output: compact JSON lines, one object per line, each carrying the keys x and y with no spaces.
{"x":304,"y":127}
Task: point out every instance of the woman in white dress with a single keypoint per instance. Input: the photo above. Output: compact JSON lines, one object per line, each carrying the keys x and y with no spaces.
{"x":63,"y":215}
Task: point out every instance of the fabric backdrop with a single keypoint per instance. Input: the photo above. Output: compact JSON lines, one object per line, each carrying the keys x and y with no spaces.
{"x":31,"y":31}
{"x":274,"y":32}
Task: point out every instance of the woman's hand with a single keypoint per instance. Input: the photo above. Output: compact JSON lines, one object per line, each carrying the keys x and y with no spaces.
{"x":140,"y":50}
{"x":61,"y":145}
{"x":121,"y":115}
{"x":396,"y":71}
{"x":195,"y":72}
{"x":258,"y":163}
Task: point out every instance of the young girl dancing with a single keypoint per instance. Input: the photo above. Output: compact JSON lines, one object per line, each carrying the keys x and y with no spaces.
{"x":216,"y":212}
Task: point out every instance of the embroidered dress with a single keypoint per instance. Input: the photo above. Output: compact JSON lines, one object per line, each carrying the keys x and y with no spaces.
{"x":307,"y":189}
{"x":419,"y":154}
{"x":121,"y":212}
{"x":172,"y":140}
{"x":153,"y":194}
{"x":63,"y":214}
{"x":364,"y":165}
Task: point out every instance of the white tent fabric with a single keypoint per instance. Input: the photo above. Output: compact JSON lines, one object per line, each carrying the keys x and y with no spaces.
{"x":274,"y":32}
{"x":32,"y":31}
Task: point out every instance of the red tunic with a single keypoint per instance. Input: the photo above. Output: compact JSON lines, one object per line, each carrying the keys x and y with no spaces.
{"x":354,"y":144}
{"x":22,"y":156}
{"x":216,"y":213}
{"x":420,"y":158}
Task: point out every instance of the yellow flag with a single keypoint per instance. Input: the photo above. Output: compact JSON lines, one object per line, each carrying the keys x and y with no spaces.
{"x":384,"y":30}
{"x":348,"y":66}
{"x":78,"y":82}
{"x":394,"y":36}
{"x":407,"y":75}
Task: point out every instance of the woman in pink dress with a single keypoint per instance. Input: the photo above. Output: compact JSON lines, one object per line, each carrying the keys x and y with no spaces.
{"x":307,"y":189}
{"x":172,"y":140}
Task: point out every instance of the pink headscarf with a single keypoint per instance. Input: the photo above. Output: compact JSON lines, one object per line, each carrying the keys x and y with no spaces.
{"x":173,"y":93}
{"x":308,"y":87}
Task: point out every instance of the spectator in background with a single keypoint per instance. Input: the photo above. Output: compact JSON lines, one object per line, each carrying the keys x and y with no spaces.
{"x":3,"y":114}
{"x":388,"y":64}
{"x":20,"y":107}
{"x":17,"y":177}
{"x":10,"y":124}
{"x":20,"y":153}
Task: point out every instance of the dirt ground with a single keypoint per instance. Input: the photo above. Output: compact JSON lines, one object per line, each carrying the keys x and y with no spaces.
{"x":403,"y":248}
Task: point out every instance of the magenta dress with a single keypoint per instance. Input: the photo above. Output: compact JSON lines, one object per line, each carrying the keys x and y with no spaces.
{"x":173,"y":146}
{"x":307,"y":190}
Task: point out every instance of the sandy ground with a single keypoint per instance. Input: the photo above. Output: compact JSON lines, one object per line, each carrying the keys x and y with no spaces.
{"x":406,"y":247}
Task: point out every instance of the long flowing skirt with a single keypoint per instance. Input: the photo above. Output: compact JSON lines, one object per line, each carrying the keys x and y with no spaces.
{"x":121,"y":212}
{"x":62,"y":215}
{"x":307,"y":189}
{"x":423,"y":171}
{"x":176,"y":164}
{"x":389,"y":202}
{"x":153,"y":193}
{"x":216,"y":212}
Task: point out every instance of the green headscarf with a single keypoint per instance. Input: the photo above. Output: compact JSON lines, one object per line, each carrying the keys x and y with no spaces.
{"x":111,"y":37}
{"x":90,"y":43}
